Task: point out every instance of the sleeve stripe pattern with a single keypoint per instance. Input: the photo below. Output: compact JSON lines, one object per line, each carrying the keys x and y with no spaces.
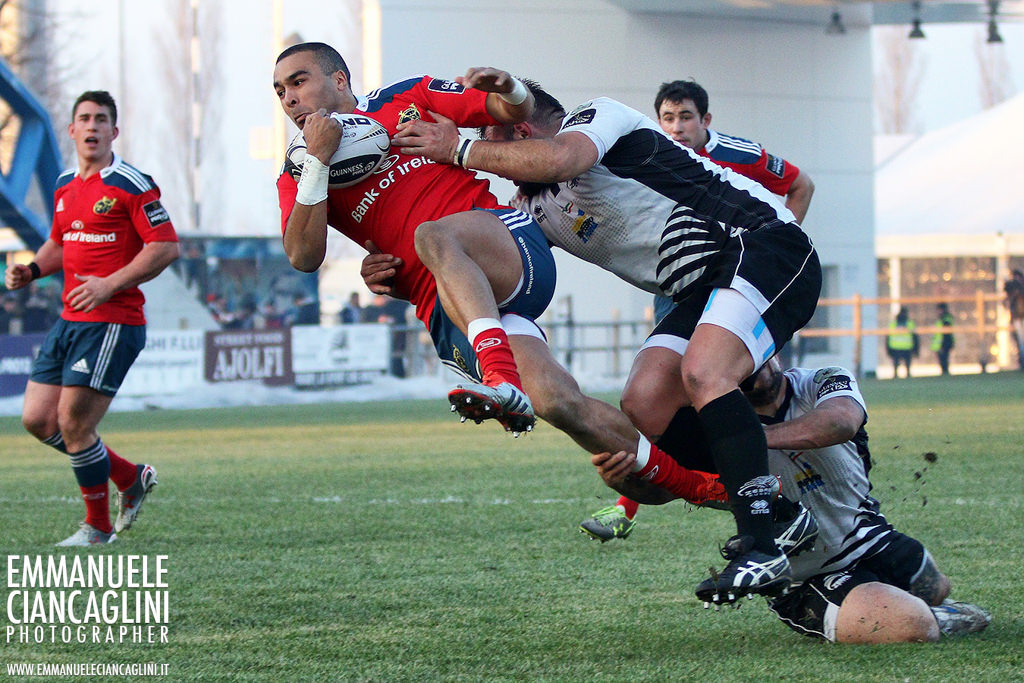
{"x":381,"y":96}
{"x":739,"y":144}
{"x":66,"y":177}
{"x":135,"y":176}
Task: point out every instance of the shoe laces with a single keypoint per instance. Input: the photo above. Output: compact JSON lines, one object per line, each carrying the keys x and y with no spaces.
{"x":609,"y":514}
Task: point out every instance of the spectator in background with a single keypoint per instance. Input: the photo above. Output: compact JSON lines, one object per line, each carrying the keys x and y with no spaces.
{"x":352,"y":312}
{"x":1014,"y":289}
{"x":385,"y":309}
{"x":305,"y":310}
{"x":942,"y":342}
{"x":268,"y":318}
{"x":901,"y":344}
{"x":36,"y":316}
{"x":9,"y":316}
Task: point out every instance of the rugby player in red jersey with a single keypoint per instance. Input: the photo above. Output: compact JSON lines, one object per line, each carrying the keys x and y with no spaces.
{"x":471,"y":274}
{"x":110,"y":233}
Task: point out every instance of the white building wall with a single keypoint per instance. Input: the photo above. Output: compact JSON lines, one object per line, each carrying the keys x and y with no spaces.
{"x":803,"y":94}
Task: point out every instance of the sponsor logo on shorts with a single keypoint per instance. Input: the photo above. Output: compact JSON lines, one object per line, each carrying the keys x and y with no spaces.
{"x":759,"y":487}
{"x":411,"y":113}
{"x":156,"y":214}
{"x":580,"y":119}
{"x":834,"y":581}
{"x":81,"y":365}
{"x":776,"y":165}
{"x":104,"y":205}
{"x":834,"y":384}
{"x":459,"y":359}
{"x":441,"y":85}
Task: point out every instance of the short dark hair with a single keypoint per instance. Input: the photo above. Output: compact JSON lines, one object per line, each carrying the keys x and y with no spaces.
{"x":545,"y":107}
{"x":100,"y":97}
{"x":327,"y":57}
{"x":677,"y":91}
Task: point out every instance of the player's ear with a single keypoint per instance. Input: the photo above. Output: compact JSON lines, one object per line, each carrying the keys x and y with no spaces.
{"x":522,"y":131}
{"x":117,"y":131}
{"x":707,"y":119}
{"x":341,"y":80}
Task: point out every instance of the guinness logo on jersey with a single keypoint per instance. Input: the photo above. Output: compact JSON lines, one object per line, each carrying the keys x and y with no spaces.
{"x":410,"y":114}
{"x":104,"y":205}
{"x":776,"y":165}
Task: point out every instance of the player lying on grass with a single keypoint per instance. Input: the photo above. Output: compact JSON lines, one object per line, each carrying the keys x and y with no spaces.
{"x":607,"y":185}
{"x":864,"y":582}
{"x":456,"y":262}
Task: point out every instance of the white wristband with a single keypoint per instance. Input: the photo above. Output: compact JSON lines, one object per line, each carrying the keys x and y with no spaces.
{"x":462,"y":151}
{"x":313,"y":182}
{"x":518,"y":95}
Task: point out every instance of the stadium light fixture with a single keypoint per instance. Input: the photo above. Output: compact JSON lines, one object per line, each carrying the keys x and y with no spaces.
{"x":835,"y":25}
{"x":915,"y":29}
{"x":993,"y":29}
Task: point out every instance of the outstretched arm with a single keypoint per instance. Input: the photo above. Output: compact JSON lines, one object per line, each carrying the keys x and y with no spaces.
{"x":833,"y":421}
{"x":562,"y":157}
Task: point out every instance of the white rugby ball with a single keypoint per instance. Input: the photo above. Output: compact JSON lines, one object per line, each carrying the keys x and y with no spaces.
{"x":364,"y":145}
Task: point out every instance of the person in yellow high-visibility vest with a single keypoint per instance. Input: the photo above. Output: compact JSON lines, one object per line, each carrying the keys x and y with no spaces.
{"x":901,"y":343}
{"x":942,"y":342}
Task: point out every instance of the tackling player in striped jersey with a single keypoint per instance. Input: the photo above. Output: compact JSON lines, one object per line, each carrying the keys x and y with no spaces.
{"x":863,"y":582}
{"x":682,"y":110}
{"x":110,"y":233}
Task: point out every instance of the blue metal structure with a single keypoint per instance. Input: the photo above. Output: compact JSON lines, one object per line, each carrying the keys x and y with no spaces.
{"x":35,"y":154}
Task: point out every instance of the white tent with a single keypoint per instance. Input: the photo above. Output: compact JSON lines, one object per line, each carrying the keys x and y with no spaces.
{"x":955,"y":191}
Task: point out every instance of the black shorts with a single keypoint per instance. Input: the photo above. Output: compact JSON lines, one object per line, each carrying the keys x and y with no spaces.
{"x":776,"y":269}
{"x":811,"y":607}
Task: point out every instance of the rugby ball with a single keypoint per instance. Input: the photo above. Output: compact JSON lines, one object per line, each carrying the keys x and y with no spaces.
{"x":364,"y":145}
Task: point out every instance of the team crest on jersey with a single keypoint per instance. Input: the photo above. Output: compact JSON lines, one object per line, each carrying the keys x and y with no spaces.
{"x":776,"y":165}
{"x":580,"y":118}
{"x":410,"y":114}
{"x":441,"y":85}
{"x":825,"y":373}
{"x":103,"y":206}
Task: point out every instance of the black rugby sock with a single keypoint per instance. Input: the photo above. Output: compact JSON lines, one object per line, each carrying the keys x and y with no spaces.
{"x":684,"y":439}
{"x":740,"y":453}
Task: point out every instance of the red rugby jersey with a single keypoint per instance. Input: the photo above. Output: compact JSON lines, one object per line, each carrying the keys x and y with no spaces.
{"x":751,"y":160}
{"x":406,"y":190}
{"x":102,"y":223}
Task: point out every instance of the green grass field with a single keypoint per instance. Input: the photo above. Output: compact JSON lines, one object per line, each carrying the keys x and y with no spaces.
{"x":391,"y":543}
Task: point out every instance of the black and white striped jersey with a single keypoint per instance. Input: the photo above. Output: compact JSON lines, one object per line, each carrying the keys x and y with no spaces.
{"x":652,"y":211}
{"x":832,"y":482}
